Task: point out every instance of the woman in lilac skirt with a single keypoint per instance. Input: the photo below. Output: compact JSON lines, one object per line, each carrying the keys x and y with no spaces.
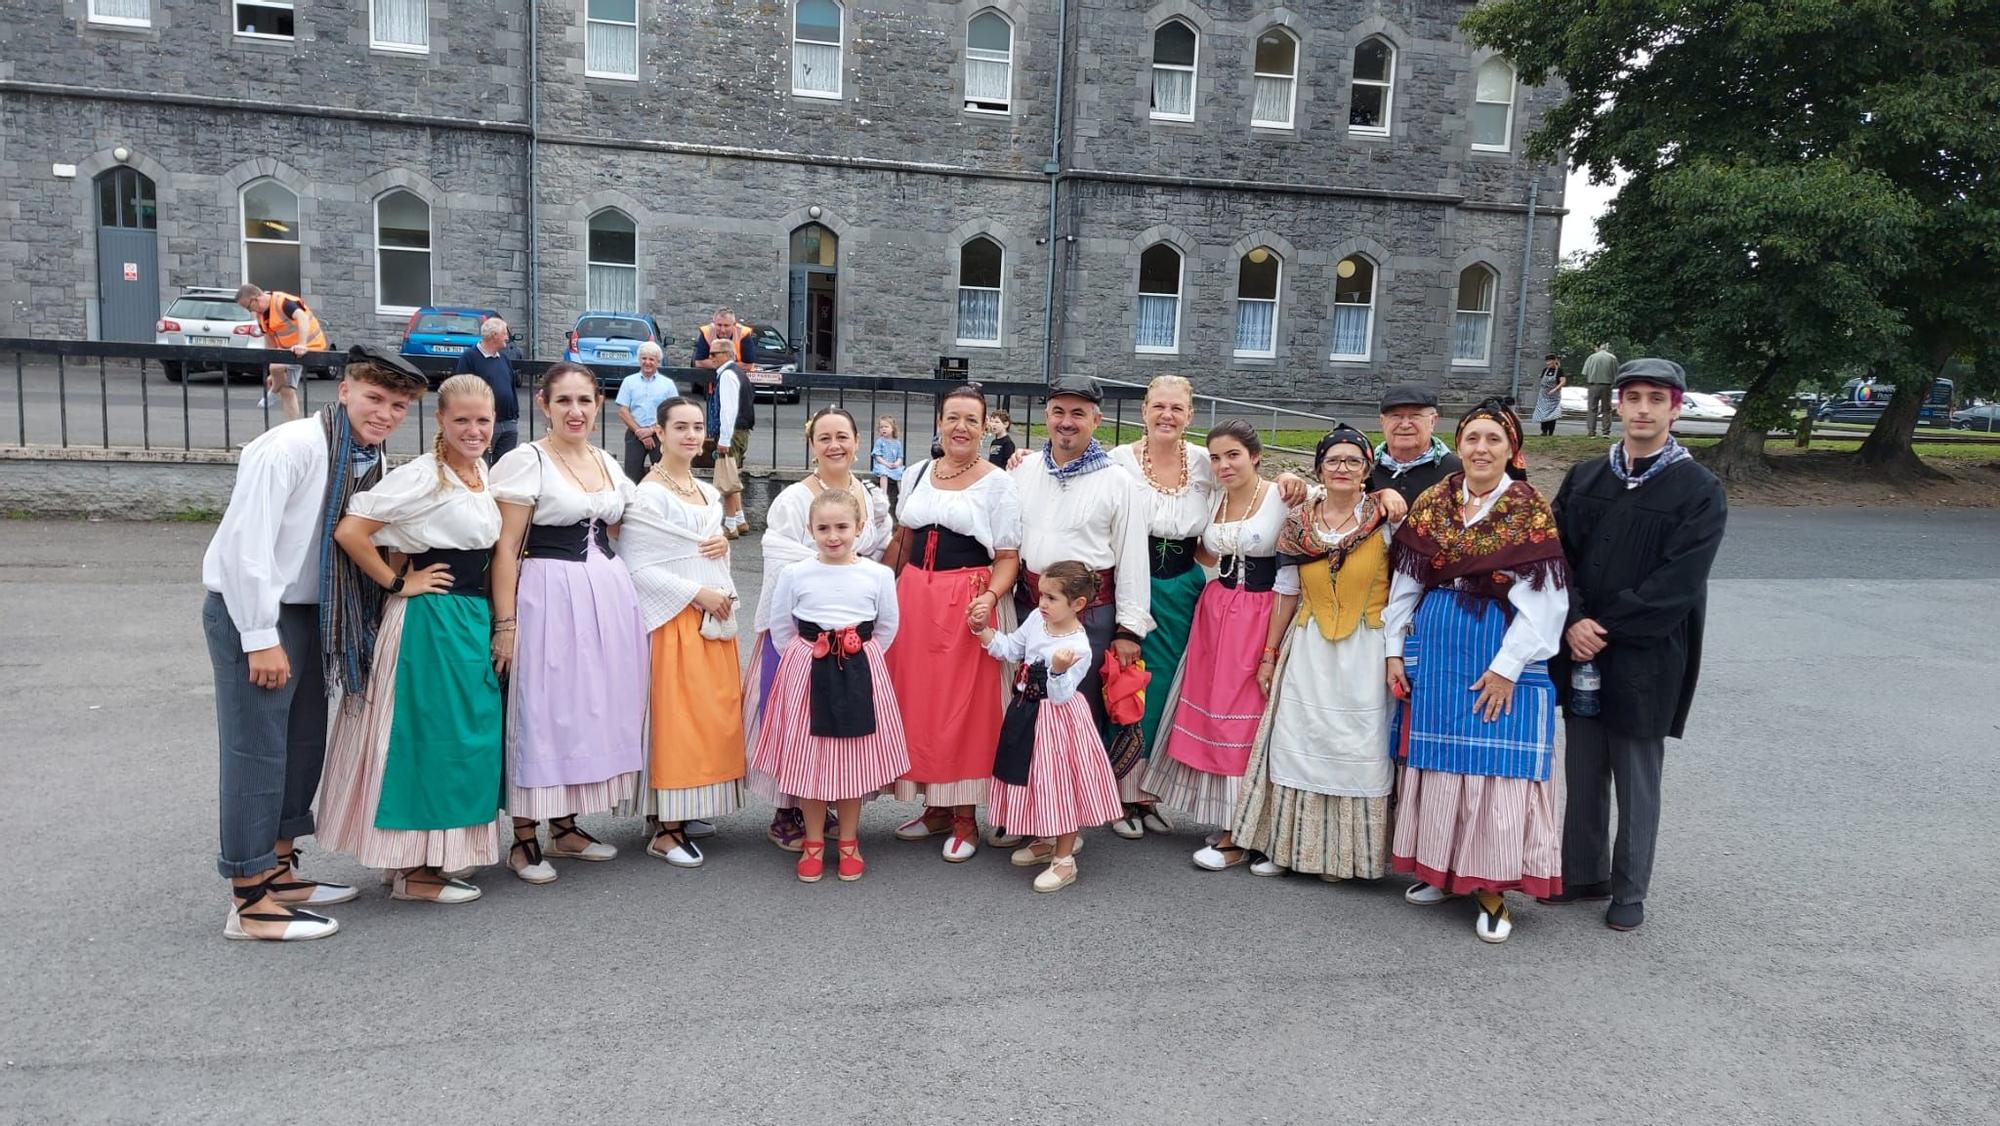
{"x":576,"y":702}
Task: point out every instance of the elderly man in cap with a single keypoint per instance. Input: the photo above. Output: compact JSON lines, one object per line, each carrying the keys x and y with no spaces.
{"x":1641,"y":527}
{"x":1411,"y":457}
{"x":289,"y":618}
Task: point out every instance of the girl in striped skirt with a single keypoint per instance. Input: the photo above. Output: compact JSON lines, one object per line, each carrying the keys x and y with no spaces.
{"x":1051,"y":776}
{"x":831,"y":732}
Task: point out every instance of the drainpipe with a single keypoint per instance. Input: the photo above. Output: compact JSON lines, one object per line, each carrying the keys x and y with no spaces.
{"x":1053,"y":170}
{"x":1527,"y":262}
{"x":534,"y":124}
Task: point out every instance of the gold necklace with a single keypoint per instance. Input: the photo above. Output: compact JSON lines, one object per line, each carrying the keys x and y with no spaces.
{"x":691,"y":491}
{"x":578,"y":477}
{"x":941,"y":475}
{"x":1146,"y":468}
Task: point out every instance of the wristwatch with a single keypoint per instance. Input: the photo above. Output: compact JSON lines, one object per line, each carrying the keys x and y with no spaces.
{"x":397,"y":586}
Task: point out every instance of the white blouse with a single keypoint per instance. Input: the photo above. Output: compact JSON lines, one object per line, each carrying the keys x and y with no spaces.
{"x":660,"y":543}
{"x":988,"y":510}
{"x":1534,"y":634}
{"x":1033,"y":642}
{"x":421,"y":514}
{"x":1254,"y":536}
{"x":788,"y":538}
{"x":834,"y":596}
{"x":1181,"y":516}
{"x":529,"y":475}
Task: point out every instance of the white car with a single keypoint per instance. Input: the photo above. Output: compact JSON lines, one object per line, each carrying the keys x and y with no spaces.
{"x":1696,"y":406}
{"x":205,"y":317}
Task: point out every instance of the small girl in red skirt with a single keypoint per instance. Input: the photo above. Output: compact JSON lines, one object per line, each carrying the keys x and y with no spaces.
{"x":1051,"y":776}
{"x":831,"y":732}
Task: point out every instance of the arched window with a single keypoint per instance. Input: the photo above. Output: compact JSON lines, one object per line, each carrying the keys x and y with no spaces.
{"x":1353,"y":308}
{"x":1159,"y":299}
{"x":980,"y":274}
{"x":613,"y":262}
{"x":1277,"y":74}
{"x":1493,"y":107}
{"x":989,"y":63}
{"x":402,"y":253}
{"x":1257,"y":277}
{"x":271,"y":236}
{"x":1372,"y":94}
{"x":1472,"y":328}
{"x":816,"y":40}
{"x":611,"y":38}
{"x":125,"y":198}
{"x":1175,"y":48}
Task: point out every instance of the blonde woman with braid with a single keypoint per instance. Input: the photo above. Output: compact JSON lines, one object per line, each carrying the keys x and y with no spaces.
{"x":415,"y":789}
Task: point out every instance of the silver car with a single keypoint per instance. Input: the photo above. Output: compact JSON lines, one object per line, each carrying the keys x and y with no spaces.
{"x":206,"y":317}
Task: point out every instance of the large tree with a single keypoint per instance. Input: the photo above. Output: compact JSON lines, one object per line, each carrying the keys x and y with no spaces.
{"x":1811,"y":185}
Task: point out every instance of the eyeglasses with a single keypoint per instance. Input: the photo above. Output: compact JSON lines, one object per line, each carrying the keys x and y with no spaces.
{"x":1349,"y":463}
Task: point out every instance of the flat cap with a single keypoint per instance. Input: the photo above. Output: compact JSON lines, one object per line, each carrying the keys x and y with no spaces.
{"x":1408,"y":395}
{"x":381,"y":357}
{"x":1666,"y":373}
{"x":1081,"y":386}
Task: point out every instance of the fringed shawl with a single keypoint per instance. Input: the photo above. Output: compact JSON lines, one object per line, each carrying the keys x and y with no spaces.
{"x":1518,"y":535}
{"x":1300,"y":543}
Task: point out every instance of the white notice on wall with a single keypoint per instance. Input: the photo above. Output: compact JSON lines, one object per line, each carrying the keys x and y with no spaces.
{"x":131,"y":271}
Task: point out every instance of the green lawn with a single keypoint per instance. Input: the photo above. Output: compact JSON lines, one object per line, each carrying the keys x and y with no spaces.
{"x":1571,"y":446}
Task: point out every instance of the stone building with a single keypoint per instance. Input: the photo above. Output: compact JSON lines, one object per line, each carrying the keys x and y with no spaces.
{"x":1292,"y":204}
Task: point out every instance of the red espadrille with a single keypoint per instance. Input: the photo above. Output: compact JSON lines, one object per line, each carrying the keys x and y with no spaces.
{"x":851,"y":864}
{"x":812,"y":861}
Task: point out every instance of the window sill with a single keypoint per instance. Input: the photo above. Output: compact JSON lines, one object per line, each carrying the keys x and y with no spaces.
{"x":261,"y":37}
{"x":978,"y":112}
{"x":1471,"y":363}
{"x":1171,"y":119}
{"x":1350,"y":360}
{"x":609,"y":77}
{"x":993,"y":344}
{"x":1142,"y":350}
{"x":1273,"y":127}
{"x":118,"y":23}
{"x":1360,"y":134}
{"x":1259,"y":360}
{"x":402,"y":311}
{"x":1493,"y":150}
{"x":400,"y":48}
{"x":815,"y":95}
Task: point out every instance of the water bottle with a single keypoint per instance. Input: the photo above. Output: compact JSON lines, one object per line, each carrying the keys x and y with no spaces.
{"x":1584,"y":682}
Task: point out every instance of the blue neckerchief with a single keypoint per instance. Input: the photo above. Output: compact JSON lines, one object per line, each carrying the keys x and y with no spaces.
{"x":1672,"y":452}
{"x":1090,"y":461}
{"x":1436,"y":453}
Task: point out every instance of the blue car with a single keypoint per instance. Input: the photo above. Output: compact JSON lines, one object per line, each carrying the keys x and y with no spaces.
{"x":611,"y":339}
{"x":443,"y":330}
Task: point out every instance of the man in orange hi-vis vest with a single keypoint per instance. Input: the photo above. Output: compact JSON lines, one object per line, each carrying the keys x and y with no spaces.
{"x":286,"y":323}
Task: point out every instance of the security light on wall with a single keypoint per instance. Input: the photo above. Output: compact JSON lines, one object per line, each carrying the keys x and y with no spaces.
{"x":121,"y":154}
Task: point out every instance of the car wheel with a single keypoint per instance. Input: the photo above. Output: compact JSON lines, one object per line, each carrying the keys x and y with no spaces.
{"x":174,"y":372}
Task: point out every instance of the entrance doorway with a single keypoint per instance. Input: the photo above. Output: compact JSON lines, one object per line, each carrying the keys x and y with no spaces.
{"x":128,"y":279}
{"x":815,"y":290}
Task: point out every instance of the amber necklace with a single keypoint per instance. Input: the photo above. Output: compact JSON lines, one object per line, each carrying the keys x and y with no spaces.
{"x":940,"y":475}
{"x":1146,"y":468}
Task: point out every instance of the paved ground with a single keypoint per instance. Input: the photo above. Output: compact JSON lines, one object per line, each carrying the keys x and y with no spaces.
{"x":1820,"y":948}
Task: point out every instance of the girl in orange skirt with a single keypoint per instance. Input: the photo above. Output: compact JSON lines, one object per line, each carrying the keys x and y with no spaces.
{"x":673,"y":543}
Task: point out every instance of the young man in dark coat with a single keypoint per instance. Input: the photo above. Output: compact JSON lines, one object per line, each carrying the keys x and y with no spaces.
{"x":1641,"y":527}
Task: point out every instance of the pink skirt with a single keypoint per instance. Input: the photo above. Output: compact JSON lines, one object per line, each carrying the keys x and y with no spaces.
{"x":1216,"y":707}
{"x":817,"y":767}
{"x":1469,"y":832}
{"x":1070,"y":784}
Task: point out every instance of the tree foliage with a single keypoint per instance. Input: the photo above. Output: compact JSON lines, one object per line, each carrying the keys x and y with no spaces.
{"x":1812,"y":185}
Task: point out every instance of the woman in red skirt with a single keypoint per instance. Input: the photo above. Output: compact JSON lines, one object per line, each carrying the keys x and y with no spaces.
{"x":1051,"y":776}
{"x":831,"y":731}
{"x":957,"y":550}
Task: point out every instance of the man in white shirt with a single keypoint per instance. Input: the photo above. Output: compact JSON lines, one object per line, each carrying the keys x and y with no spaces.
{"x":263,"y":619}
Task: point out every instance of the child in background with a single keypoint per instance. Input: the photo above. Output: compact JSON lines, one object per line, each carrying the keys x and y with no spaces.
{"x":999,"y":427}
{"x":886,"y":459}
{"x":831,"y":731}
{"x":1050,"y":774}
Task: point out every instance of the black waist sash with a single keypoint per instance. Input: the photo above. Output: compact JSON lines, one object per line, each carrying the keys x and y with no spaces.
{"x":843,"y":687}
{"x":468,"y":567}
{"x":568,"y":542}
{"x":1015,"y":752}
{"x":1170,"y":559}
{"x":1255,"y":573}
{"x":933,"y":548}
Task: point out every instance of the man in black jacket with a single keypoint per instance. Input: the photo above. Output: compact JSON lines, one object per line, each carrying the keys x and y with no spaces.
{"x":1641,"y":527}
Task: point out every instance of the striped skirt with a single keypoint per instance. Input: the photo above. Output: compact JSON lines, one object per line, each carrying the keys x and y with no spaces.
{"x":1070,"y":784}
{"x":1208,"y":798}
{"x":1471,"y":832}
{"x":792,"y":760}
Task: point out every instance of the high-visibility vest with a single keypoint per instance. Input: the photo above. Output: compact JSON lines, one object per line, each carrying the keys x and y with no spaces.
{"x":279,"y":329}
{"x":735,"y":346}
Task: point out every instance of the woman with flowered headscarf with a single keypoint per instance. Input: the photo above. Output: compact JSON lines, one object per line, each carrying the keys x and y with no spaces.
{"x":1315,"y":798}
{"x":1476,"y":609}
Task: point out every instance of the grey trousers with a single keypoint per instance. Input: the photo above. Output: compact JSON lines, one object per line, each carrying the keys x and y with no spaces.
{"x":1597,"y":760}
{"x":272,"y":740}
{"x":1596,"y":408}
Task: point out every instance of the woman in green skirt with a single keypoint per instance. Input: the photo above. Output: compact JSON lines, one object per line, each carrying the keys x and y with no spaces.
{"x":415,"y":789}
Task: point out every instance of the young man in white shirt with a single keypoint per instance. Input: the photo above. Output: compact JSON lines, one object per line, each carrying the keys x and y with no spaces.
{"x":274,"y":636}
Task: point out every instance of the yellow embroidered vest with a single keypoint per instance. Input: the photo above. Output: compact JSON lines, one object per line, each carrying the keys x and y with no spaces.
{"x":1337,"y":603}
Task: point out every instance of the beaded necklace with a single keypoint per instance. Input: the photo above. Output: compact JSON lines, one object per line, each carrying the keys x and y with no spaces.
{"x":1146,"y":469}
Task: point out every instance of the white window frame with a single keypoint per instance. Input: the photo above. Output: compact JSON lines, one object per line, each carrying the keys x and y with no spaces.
{"x":375,"y":44}
{"x":1513,"y":94}
{"x":243,"y":228}
{"x":1368,"y":337}
{"x":236,"y":10}
{"x":1000,"y":313}
{"x":1387,"y":85}
{"x":986,"y":56}
{"x":590,"y":302}
{"x":1277,"y":296}
{"x":1179,"y":295}
{"x":1291,"y":80}
{"x":1485,"y":357}
{"x":589,"y":20}
{"x":92,"y":15}
{"x":429,"y":253}
{"x":840,"y":46}
{"x":1194,"y":79}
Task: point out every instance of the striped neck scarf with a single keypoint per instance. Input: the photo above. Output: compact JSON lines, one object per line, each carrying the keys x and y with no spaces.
{"x":1670,"y":453}
{"x":1092,"y":459}
{"x":350,"y":603}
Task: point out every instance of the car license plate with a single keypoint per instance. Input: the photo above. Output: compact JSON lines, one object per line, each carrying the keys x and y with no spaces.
{"x":445,"y":349}
{"x":613,"y":354}
{"x":217,"y":341}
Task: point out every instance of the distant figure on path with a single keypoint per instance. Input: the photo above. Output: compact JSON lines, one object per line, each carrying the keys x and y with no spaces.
{"x":1598,"y":372}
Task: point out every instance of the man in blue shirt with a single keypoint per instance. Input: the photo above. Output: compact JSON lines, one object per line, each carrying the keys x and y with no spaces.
{"x":492,"y":359}
{"x":639,"y":399}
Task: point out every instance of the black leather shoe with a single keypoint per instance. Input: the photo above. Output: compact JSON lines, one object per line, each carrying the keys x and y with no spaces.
{"x":1625,"y":916}
{"x":1578,"y":893}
